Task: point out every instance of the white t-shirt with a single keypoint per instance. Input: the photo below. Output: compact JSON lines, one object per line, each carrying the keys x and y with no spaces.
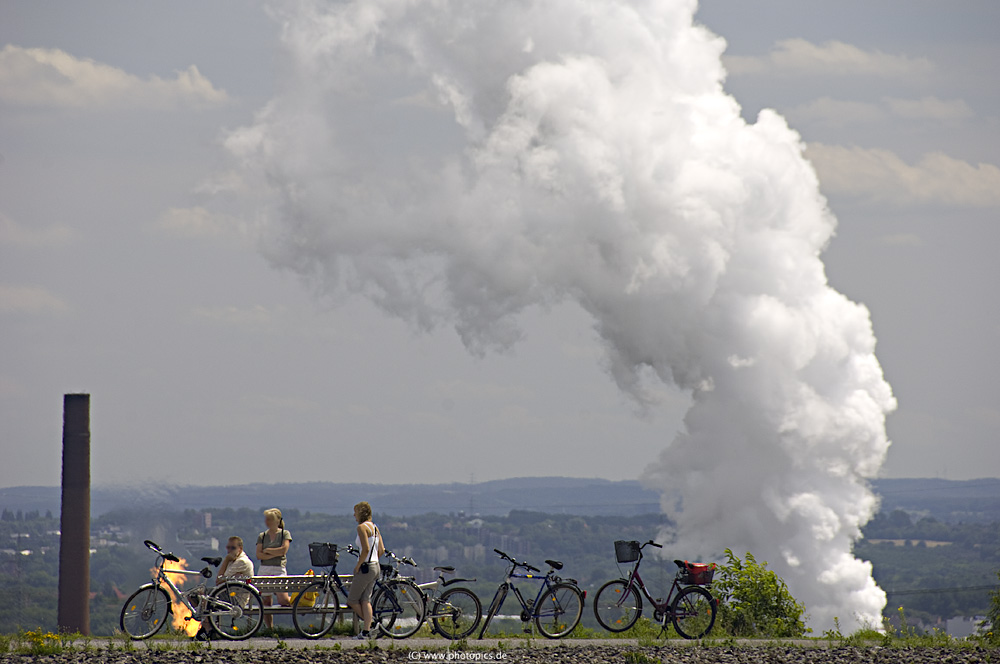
{"x":372,"y":546}
{"x":241,"y":567}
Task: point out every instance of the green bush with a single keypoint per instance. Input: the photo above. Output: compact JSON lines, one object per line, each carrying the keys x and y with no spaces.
{"x":993,"y":635}
{"x":754,"y":602}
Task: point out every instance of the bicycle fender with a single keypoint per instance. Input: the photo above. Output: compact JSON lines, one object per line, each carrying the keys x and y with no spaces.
{"x":451,"y":581}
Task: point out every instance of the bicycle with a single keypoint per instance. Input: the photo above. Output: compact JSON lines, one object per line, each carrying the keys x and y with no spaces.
{"x":398,"y":608}
{"x":317,"y":607}
{"x":233,"y":609}
{"x":454,"y":613}
{"x":618,"y":604}
{"x":556,"y":609}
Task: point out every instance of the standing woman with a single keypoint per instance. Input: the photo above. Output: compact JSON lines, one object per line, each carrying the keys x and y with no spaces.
{"x":272,"y":550}
{"x":366,"y":570}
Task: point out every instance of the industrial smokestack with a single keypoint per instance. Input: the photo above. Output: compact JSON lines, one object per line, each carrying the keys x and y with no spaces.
{"x":74,"y":545}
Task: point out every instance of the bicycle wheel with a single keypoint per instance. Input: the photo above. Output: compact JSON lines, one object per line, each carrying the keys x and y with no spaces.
{"x":616,"y":606}
{"x":145,"y":612}
{"x":314,"y":622}
{"x":559,"y":610}
{"x":494,"y":608}
{"x":456,"y":613}
{"x":398,"y":609}
{"x":235,"y":610}
{"x":694,"y":612}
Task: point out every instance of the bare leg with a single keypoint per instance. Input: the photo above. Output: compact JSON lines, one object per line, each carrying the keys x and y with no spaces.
{"x":355,"y":607}
{"x":366,"y":615}
{"x":268,"y":618}
{"x":359,"y":608}
{"x":284,"y":599}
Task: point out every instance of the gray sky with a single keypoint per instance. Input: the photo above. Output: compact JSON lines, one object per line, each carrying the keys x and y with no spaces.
{"x":208,"y":366}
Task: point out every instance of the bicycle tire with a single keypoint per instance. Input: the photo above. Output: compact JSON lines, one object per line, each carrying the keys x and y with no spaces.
{"x":616,"y":606}
{"x":145,"y":612}
{"x":694,"y":612}
{"x":457,"y":613}
{"x":316,"y":621}
{"x":398,"y":609}
{"x":245,"y":613}
{"x":559,"y":610}
{"x":495,"y":605}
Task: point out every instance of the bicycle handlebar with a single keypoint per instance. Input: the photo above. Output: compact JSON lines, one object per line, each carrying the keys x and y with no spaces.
{"x":153,"y":546}
{"x":658,"y":546}
{"x":406,"y":560}
{"x":514,"y":562}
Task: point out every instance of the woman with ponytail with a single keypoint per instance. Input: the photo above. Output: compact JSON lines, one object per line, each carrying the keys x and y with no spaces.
{"x":272,"y":549}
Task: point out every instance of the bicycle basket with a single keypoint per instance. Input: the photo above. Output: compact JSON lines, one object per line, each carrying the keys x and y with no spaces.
{"x":697,"y":574}
{"x":626,"y":552}
{"x":323,"y":554}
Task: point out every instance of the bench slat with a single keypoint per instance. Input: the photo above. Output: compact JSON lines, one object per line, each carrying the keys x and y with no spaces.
{"x":297,"y":583}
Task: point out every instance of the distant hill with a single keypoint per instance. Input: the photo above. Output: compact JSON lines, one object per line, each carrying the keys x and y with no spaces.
{"x":945,"y":500}
{"x":970,"y":501}
{"x":564,"y":495}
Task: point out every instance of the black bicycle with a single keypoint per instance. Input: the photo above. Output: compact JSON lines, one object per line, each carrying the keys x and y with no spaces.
{"x":397,"y":604}
{"x":557,"y":607}
{"x":618,"y":603}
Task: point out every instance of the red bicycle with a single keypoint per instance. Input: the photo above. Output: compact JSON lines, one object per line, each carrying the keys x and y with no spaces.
{"x":618,"y":604}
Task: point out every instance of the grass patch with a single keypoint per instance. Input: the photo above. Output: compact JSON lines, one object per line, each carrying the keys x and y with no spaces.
{"x":637,"y":657}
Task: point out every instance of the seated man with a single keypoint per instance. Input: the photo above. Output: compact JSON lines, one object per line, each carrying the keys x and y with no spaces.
{"x":236,"y":564}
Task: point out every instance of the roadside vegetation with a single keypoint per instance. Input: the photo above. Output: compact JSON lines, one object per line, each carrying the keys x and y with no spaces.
{"x":906,"y":554}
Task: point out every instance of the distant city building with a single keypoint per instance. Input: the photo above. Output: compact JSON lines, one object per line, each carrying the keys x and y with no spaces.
{"x":964,"y":626}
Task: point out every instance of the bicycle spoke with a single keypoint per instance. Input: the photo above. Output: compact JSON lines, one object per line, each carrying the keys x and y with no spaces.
{"x":694,"y":612}
{"x":617,"y":605}
{"x":145,"y":612}
{"x":315,"y":610}
{"x":559,"y":610}
{"x":456,"y":613}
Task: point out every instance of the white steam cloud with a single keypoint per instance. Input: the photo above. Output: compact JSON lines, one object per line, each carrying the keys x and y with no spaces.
{"x":458,"y":162}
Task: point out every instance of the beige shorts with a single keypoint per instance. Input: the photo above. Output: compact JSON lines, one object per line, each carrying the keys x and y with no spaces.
{"x":362,"y":585}
{"x":271,"y":570}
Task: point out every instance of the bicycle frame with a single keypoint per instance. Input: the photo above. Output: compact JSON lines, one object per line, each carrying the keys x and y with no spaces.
{"x":635,"y":582}
{"x":332,"y":580}
{"x":432,"y":593}
{"x":531,"y":609}
{"x":163,"y":577}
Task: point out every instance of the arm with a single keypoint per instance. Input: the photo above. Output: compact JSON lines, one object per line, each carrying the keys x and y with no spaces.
{"x":363,"y":556}
{"x":222,"y":571}
{"x":379,"y":542}
{"x":275,"y":551}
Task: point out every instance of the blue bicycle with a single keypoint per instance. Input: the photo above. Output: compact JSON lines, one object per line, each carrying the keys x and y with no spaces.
{"x":557,"y":607}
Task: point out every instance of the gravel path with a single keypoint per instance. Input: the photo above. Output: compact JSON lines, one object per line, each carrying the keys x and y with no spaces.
{"x":627,"y":654}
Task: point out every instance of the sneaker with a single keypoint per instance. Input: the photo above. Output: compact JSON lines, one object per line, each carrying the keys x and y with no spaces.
{"x":362,"y":636}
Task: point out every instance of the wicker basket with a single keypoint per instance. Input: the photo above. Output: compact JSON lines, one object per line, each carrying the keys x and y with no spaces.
{"x":323,"y":554}
{"x":626,"y":552}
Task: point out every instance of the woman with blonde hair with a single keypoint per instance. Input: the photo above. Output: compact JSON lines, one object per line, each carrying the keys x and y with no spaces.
{"x":272,"y":550}
{"x":366,"y":570}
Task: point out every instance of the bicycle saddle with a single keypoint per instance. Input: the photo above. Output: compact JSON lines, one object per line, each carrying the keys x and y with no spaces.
{"x":214,"y":562}
{"x":444,"y":568}
{"x":456,"y":580}
{"x":554,"y":564}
